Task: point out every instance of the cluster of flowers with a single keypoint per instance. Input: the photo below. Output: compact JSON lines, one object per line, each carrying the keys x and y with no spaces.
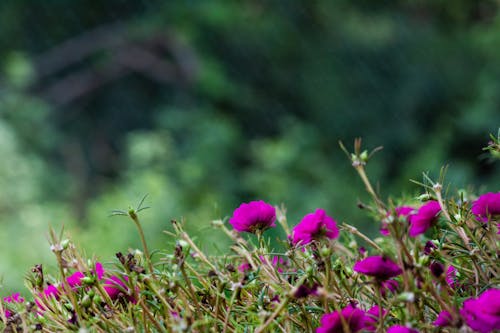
{"x":357,"y":291}
{"x":113,"y":285}
{"x":480,"y":313}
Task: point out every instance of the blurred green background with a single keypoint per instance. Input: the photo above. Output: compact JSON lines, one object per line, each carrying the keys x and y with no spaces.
{"x":205,"y":104}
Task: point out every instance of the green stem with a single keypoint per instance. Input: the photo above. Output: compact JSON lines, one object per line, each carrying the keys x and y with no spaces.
{"x":361,"y":172}
{"x":135,"y":218}
{"x":280,"y":308}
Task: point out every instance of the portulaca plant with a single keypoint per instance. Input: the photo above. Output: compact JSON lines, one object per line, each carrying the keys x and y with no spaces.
{"x":434,"y":268}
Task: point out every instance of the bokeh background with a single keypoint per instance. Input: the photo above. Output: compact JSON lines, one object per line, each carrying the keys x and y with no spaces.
{"x":205,"y":104}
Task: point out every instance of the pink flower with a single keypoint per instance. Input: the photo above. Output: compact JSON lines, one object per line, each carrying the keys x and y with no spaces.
{"x":444,"y":319}
{"x":380,"y":267}
{"x":14,"y":298}
{"x":486,"y":205}
{"x":429,"y":247}
{"x":401,"y":211}
{"x":116,"y":287}
{"x":50,"y":292}
{"x":436,"y":268}
{"x":306,"y":289}
{"x":372,"y":318}
{"x":388,"y":285}
{"x":401,"y":329}
{"x":483,"y":313}
{"x":75,"y":279}
{"x":253,"y":216}
{"x":424,"y":218}
{"x":99,"y":270}
{"x":451,"y":276}
{"x":244,"y":267}
{"x":332,"y":322}
{"x":315,"y":226}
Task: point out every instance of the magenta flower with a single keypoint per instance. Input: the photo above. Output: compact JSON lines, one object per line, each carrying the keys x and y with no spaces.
{"x":380,"y":267}
{"x":315,"y":226}
{"x":306,"y":289}
{"x":424,"y":218}
{"x":400,"y":212}
{"x":99,"y":270}
{"x":332,"y":322}
{"x":244,"y":267}
{"x":253,"y":216}
{"x":388,"y":286}
{"x":429,"y":247}
{"x":483,"y":313}
{"x":14,"y":298}
{"x":50,"y":292}
{"x":436,"y":268}
{"x":116,"y":287}
{"x":75,"y":279}
{"x":451,"y":276}
{"x":372,"y":317}
{"x":277,"y":262}
{"x":486,"y":205}
{"x":444,"y":319}
{"x":401,"y":329}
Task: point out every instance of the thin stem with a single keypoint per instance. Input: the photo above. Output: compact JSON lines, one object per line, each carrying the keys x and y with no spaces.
{"x":135,"y":218}
{"x":280,"y":308}
{"x":361,"y":172}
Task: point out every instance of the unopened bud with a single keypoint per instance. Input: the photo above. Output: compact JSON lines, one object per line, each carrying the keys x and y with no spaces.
{"x":424,"y":197}
{"x":217,"y":223}
{"x":86,"y":301}
{"x":64,"y":244}
{"x":423,"y":260}
{"x":87,"y":280}
{"x":183,"y":243}
{"x":326,"y":251}
{"x":407,"y":297}
{"x":364,"y":156}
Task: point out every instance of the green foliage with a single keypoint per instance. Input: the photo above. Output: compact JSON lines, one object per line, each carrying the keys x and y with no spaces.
{"x":257,"y":97}
{"x":253,"y":286}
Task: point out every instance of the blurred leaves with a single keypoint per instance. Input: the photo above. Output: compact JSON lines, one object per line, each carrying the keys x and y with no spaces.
{"x":204,"y":105}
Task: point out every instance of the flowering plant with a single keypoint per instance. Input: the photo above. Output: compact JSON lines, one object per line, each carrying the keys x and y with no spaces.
{"x":435,"y":268}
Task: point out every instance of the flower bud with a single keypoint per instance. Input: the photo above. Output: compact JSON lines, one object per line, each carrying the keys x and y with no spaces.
{"x":182,"y":243}
{"x":406,"y":297}
{"x":326,"y":251}
{"x":424,"y":197}
{"x":217,"y":223}
{"x":87,"y":280}
{"x":86,"y":301}
{"x":64,"y":244}
{"x":423,"y":260}
{"x":364,"y":156}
